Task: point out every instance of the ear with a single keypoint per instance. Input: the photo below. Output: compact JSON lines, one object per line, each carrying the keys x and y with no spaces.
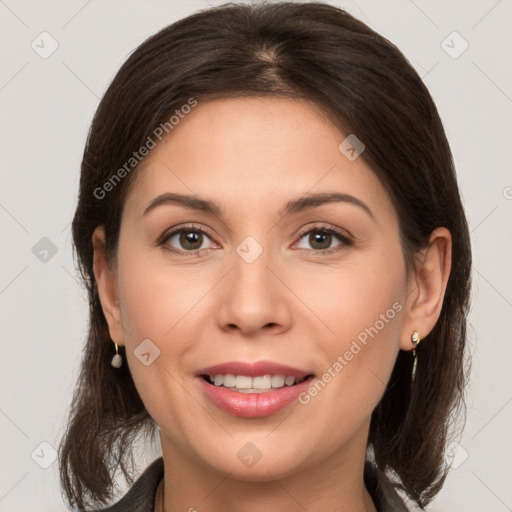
{"x":107,"y":287}
{"x":427,"y":286}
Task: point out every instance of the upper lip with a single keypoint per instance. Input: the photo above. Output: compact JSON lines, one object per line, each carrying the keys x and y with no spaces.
{"x":254,"y":369}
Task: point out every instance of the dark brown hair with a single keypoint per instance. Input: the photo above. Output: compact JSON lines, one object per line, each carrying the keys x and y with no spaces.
{"x":321,"y":54}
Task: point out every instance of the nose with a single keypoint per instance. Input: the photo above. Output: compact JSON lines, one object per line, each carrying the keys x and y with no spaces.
{"x":253,"y":297}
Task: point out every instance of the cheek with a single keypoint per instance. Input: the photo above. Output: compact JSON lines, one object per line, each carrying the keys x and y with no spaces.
{"x":158,"y":318}
{"x":370,"y":316}
{"x":157,"y":309}
{"x":158,"y":300}
{"x":361,"y":300}
{"x":367,"y":319}
{"x":368,"y":308}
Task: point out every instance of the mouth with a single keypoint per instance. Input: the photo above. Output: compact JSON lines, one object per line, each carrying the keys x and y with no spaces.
{"x":253,"y":390}
{"x":257,"y":384}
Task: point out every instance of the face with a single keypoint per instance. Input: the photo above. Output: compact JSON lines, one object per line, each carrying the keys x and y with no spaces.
{"x":317,"y":286}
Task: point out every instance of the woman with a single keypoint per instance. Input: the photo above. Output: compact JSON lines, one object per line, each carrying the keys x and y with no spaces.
{"x":278,"y":264}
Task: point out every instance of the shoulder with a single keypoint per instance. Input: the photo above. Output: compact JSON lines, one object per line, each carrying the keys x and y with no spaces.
{"x":141,"y":496}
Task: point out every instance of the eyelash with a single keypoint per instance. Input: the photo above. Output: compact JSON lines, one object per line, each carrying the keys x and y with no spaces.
{"x":345,"y":239}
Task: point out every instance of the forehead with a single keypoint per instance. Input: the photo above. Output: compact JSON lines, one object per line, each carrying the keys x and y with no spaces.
{"x":252,"y":151}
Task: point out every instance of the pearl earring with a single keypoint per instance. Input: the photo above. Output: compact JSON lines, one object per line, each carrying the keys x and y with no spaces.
{"x":415,"y":338}
{"x":117,"y":360}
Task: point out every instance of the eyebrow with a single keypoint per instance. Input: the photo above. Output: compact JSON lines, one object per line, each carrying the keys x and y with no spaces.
{"x":300,"y":204}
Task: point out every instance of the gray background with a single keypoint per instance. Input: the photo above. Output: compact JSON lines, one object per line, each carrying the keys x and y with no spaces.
{"x":47,"y":105}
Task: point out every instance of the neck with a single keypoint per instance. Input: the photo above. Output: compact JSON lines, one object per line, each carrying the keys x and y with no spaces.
{"x":334,"y":483}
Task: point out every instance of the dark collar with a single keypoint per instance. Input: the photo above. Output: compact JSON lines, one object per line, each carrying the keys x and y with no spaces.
{"x":383,"y":494}
{"x":141,"y":496}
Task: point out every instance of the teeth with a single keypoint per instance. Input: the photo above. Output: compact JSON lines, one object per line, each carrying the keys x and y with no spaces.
{"x":226,"y":380}
{"x":289,"y":381}
{"x":243,"y":382}
{"x":277,"y":381}
{"x":246,"y":384}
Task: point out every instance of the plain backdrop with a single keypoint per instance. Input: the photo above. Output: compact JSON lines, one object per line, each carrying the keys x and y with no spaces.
{"x":47,"y":102}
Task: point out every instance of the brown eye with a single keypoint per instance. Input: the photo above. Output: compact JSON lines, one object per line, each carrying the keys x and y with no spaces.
{"x":185,"y":240}
{"x":190,"y":240}
{"x":321,"y":238}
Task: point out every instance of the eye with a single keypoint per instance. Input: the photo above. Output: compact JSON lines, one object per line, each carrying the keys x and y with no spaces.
{"x":192,"y":240}
{"x":321,"y":237}
{"x":189,"y":238}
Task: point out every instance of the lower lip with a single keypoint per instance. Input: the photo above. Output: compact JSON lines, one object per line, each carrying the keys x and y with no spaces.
{"x":253,"y":405}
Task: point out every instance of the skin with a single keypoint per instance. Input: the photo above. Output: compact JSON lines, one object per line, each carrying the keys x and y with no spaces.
{"x":292,"y":304}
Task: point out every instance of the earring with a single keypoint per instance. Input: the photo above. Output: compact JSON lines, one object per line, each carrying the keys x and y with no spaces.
{"x":117,"y":360}
{"x":415,"y":338}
